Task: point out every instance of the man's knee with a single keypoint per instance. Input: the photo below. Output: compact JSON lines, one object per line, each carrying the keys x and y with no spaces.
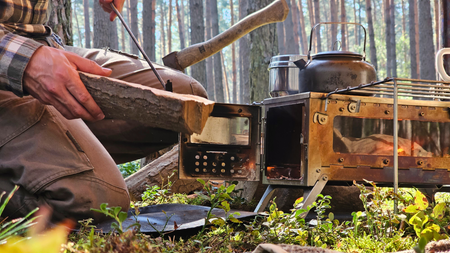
{"x":198,"y":89}
{"x":75,"y":196}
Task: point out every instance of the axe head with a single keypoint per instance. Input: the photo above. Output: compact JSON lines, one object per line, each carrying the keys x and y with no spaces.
{"x":171,"y":61}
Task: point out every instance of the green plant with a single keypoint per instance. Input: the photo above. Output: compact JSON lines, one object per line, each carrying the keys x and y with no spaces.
{"x":428,"y":223}
{"x":17,"y":226}
{"x":218,"y":198}
{"x":129,"y":168}
{"x":115,"y":213}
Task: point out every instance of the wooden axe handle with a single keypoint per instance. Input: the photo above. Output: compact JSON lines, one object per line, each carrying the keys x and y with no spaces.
{"x":275,"y":12}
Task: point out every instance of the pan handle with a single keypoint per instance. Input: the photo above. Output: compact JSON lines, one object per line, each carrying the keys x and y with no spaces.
{"x":336,"y":23}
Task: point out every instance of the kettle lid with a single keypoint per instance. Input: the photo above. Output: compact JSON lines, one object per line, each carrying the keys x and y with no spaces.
{"x":337,"y":54}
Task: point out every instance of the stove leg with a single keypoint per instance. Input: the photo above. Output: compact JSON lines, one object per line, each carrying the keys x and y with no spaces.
{"x":267,"y":196}
{"x":310,"y":195}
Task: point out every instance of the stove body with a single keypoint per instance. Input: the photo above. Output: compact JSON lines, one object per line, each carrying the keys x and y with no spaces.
{"x":301,"y":139}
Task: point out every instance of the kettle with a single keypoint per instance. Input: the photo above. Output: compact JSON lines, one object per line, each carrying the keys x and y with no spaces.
{"x":328,"y":71}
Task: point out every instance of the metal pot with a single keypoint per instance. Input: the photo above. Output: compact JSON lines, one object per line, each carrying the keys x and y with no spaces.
{"x":328,"y":71}
{"x":283,"y":75}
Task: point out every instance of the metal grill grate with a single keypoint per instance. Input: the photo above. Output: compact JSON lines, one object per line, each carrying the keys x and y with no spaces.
{"x":407,"y":89}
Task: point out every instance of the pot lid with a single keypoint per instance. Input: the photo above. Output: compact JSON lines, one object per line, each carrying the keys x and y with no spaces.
{"x":337,"y":54}
{"x":280,"y":61}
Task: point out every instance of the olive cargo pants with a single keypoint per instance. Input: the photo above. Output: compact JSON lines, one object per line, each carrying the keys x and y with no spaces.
{"x":70,"y":166}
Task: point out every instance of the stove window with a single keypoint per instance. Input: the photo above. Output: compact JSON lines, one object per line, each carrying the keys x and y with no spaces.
{"x":283,"y":131}
{"x":374,"y":137}
{"x":224,"y":131}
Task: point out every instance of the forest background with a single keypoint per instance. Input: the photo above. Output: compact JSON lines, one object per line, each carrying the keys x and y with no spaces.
{"x":238,"y":74}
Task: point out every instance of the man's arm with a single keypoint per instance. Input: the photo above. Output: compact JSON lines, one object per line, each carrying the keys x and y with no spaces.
{"x":48,"y":74}
{"x":15,"y":53}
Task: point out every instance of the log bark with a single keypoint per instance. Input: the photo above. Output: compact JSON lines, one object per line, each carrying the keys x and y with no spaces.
{"x":148,"y":106}
{"x":158,"y":172}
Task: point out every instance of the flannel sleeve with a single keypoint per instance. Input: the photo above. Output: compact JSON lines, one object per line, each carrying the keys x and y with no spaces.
{"x":15,"y":53}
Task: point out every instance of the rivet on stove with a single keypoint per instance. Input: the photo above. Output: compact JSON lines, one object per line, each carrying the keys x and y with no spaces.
{"x":318,"y":170}
{"x":341,"y":160}
{"x":421,"y":114}
{"x":387,"y":112}
{"x":386,"y":161}
{"x":341,"y":109}
{"x":420,"y":162}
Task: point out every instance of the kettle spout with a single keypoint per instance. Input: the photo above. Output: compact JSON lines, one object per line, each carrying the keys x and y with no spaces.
{"x":301,"y":64}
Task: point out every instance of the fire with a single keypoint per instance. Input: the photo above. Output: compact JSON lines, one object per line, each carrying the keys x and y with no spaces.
{"x":400,"y":150}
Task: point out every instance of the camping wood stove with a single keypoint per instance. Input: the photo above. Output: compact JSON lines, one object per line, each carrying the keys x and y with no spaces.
{"x":310,"y":139}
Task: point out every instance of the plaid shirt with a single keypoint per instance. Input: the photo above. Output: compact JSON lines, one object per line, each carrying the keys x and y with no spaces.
{"x":20,"y":20}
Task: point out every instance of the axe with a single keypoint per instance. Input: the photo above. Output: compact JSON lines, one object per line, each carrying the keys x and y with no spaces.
{"x":275,"y":12}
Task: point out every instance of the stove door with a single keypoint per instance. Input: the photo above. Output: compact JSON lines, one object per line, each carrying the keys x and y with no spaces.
{"x":228,"y":147}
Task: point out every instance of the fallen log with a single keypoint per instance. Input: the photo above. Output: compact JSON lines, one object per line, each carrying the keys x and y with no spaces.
{"x":157,"y":173}
{"x":148,"y":106}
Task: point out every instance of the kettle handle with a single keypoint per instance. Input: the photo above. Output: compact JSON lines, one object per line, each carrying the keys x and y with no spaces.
{"x":336,"y":23}
{"x":440,"y":64}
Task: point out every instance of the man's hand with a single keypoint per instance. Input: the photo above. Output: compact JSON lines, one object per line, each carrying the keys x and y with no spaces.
{"x":51,"y":77}
{"x":106,"y":5}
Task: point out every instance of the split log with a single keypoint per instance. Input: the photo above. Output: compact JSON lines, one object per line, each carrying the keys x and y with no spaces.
{"x":148,"y":106}
{"x":157,"y":173}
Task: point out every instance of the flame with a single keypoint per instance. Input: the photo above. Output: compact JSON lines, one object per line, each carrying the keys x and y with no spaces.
{"x":400,"y":150}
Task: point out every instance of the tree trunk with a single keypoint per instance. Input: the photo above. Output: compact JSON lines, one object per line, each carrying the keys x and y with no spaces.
{"x":227,"y":98}
{"x":102,"y":28}
{"x":387,"y":21}
{"x":393,"y":47}
{"x":80,"y":39}
{"x":233,"y":60}
{"x":403,"y":18}
{"x":445,"y":31}
{"x":317,"y":20}
{"x":311,"y":20}
{"x":296,"y":22}
{"x":416,"y":7}
{"x":60,"y":20}
{"x":373,"y":49}
{"x":113,"y":35}
{"x":197,"y":36}
{"x":209,"y":61}
{"x":244,"y":57}
{"x":427,"y":70}
{"x":87,"y":24}
{"x":156,"y":173}
{"x":132,"y":10}
{"x":148,"y":28}
{"x":303,"y":38}
{"x":436,"y":23}
{"x":343,"y":27}
{"x":356,"y":27}
{"x":334,"y":18}
{"x":218,"y":82}
{"x":281,"y":38}
{"x":163,"y":30}
{"x":291,"y":45}
{"x":169,"y":27}
{"x":180,"y":25}
{"x":412,"y":38}
{"x":263,"y":44}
